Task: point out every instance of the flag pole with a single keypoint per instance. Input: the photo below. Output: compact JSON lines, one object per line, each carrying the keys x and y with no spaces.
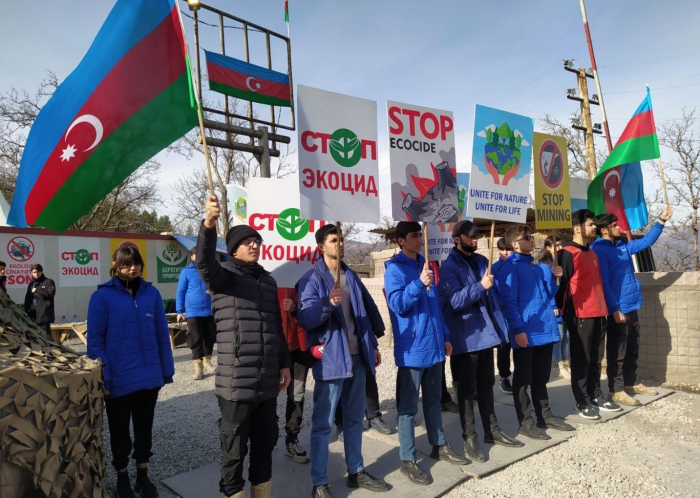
{"x":663,"y":180}
{"x":337,"y":256}
{"x":425,"y":246}
{"x":493,"y":230}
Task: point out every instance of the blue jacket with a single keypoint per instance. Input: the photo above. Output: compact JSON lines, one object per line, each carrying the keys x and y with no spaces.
{"x":526,"y":301}
{"x":552,"y":285}
{"x":325,"y":323}
{"x":130,"y":336}
{"x":622,"y":290}
{"x":191,"y":296}
{"x":472,"y":314}
{"x":419,"y":329}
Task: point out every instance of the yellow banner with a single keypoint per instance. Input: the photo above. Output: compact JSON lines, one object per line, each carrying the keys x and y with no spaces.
{"x":139,"y":244}
{"x":552,"y":196}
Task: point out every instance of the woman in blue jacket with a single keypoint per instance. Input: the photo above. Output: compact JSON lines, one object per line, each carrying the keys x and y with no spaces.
{"x":128,"y":332}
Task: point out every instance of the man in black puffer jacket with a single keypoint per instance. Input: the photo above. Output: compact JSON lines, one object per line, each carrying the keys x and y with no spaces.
{"x":254,"y":361}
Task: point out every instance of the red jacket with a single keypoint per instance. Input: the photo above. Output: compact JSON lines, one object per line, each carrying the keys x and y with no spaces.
{"x":581,"y":281}
{"x":296,"y":338}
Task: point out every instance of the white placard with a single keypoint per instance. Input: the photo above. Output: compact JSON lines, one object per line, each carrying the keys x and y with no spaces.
{"x":338,"y":167}
{"x":20,"y":252}
{"x":79,"y":261}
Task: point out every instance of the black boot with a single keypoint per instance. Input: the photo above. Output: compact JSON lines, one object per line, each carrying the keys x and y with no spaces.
{"x":124,"y":486}
{"x":446,"y":454}
{"x":414,"y":473}
{"x":322,"y":491}
{"x":473,"y":450}
{"x":144,"y":484}
{"x":498,"y":437}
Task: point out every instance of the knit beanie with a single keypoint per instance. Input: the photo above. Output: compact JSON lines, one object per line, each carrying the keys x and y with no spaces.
{"x":238,"y":234}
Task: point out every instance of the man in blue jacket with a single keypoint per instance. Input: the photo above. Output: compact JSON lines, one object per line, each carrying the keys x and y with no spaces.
{"x":345,"y":321}
{"x":193,"y":303}
{"x":476,"y":326}
{"x":623,"y":295}
{"x":421,"y":341}
{"x":531,"y":313}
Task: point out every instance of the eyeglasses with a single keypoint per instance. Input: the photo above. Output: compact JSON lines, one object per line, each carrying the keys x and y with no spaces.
{"x":252,"y":241}
{"x":526,"y":238}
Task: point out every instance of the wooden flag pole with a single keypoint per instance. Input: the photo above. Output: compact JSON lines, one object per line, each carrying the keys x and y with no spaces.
{"x":663,"y":180}
{"x":493,"y":230}
{"x":286,"y":315}
{"x":425,"y":246}
{"x":554,"y":246}
{"x":337,"y":256}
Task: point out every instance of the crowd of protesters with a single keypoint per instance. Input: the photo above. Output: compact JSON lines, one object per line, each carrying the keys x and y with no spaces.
{"x":553,"y":305}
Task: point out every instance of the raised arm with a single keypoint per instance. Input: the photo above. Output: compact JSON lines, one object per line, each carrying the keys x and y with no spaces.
{"x":459,"y":298}
{"x":314,"y":307}
{"x":213,"y":275}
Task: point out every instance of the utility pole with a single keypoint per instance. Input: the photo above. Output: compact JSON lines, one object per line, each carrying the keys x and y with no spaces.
{"x":586,"y":125}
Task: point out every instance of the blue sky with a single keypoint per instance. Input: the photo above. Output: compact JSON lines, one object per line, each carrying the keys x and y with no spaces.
{"x":447,"y":54}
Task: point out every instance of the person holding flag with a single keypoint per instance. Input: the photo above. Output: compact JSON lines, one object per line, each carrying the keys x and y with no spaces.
{"x":623,"y":296}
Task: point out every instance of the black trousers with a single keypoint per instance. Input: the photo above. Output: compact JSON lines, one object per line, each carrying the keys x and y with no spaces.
{"x":241,"y":422}
{"x":503,"y":360}
{"x":201,"y":336}
{"x":371,"y":401}
{"x":587,"y":347}
{"x":296,"y":391}
{"x":532,"y":368}
{"x":623,"y":352}
{"x":475,"y":375}
{"x":139,"y":408}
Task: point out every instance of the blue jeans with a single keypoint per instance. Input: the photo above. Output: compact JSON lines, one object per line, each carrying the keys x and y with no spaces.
{"x":327,"y":394}
{"x":561,"y":349}
{"x":408,"y":382}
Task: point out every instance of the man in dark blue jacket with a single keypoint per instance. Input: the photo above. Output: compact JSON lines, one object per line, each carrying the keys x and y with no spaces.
{"x":421,"y":340}
{"x":193,"y":303}
{"x":623,"y":295}
{"x":529,"y":307}
{"x":345,"y":321}
{"x":476,"y":326}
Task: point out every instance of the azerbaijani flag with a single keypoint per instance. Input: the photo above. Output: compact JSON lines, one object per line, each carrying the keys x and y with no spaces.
{"x":286,"y":10}
{"x":246,"y":81}
{"x":128,"y":99}
{"x":618,"y":187}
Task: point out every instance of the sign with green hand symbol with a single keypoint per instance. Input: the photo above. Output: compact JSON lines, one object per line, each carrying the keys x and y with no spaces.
{"x":79,"y":261}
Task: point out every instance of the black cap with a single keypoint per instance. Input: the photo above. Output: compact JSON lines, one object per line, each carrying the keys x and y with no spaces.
{"x":465,"y":227}
{"x":238,"y":234}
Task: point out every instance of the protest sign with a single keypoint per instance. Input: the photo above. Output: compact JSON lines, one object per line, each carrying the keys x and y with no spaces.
{"x":422,"y":163}
{"x":289,"y":247}
{"x":138,"y":244}
{"x":79,"y":261}
{"x":552,"y":196}
{"x":500,"y":174}
{"x":171,"y":258}
{"x":338,"y":168}
{"x":237,"y":202}
{"x":20,"y":252}
{"x":440,"y":239}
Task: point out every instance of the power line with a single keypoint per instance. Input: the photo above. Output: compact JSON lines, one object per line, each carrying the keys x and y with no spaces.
{"x":655,"y":89}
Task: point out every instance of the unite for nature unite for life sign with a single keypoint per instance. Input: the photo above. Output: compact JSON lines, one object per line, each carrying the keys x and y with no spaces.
{"x":552,"y":195}
{"x":500,"y":178}
{"x":422,"y":163}
{"x":289,"y":247}
{"x":338,"y":167}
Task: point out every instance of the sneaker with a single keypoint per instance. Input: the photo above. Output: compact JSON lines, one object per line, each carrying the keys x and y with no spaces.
{"x":323,"y":491}
{"x":209,"y":367}
{"x":340,"y":433}
{"x":641,"y":389}
{"x":450,"y":407}
{"x":365,"y":480}
{"x":586,"y":411}
{"x":506,"y":386}
{"x":414,"y":473}
{"x":295,"y":451}
{"x":377,"y":424}
{"x":605,"y":405}
{"x":198,"y":370}
{"x":622,"y":398}
{"x":564,"y":372}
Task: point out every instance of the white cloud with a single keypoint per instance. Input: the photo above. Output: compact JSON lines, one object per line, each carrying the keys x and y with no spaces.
{"x":525,"y":143}
{"x":491,"y":127}
{"x":481,"y":134}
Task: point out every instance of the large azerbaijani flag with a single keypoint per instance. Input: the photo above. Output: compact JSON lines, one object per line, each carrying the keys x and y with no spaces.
{"x":129,"y":98}
{"x":618,"y":187}
{"x":246,"y":81}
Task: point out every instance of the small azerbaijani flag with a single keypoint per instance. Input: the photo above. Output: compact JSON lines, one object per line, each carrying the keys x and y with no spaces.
{"x":246,"y":81}
{"x":618,"y":187}
{"x":286,"y":11}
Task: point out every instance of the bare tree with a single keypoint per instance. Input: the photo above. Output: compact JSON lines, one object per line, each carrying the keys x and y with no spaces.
{"x":358,"y":250}
{"x":228,"y":167}
{"x":118,"y":211}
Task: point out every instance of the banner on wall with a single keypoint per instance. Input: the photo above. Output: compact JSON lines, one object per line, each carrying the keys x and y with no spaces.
{"x":289,"y":247}
{"x":552,"y":194}
{"x":338,"y":167}
{"x":499,"y":187}
{"x":20,"y":252}
{"x":422,"y":163}
{"x":171,"y":258}
{"x":138,"y":244}
{"x":79,"y":261}
{"x":440,"y":241}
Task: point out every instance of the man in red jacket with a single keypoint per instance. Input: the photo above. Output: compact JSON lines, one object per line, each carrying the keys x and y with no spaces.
{"x":582,"y":300}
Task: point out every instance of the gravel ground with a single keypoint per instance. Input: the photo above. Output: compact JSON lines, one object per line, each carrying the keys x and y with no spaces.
{"x":642,"y":454}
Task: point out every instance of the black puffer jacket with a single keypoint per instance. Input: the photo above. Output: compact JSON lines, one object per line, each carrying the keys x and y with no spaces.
{"x":251,"y":344}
